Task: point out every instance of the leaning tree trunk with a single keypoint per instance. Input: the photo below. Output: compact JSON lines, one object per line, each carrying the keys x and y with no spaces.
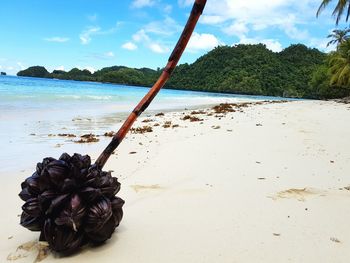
{"x":145,"y":102}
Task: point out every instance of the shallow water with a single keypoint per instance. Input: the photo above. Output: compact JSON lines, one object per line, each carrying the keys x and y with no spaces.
{"x":31,"y":109}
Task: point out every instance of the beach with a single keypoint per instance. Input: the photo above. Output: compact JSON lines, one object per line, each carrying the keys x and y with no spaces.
{"x":253,"y":182}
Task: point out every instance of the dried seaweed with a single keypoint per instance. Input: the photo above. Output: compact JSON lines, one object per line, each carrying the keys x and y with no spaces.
{"x":88,"y":138}
{"x":198,"y":112}
{"x":141,"y":130}
{"x":191,"y":118}
{"x":66,"y":135}
{"x":109,"y":134}
{"x":167,"y":124}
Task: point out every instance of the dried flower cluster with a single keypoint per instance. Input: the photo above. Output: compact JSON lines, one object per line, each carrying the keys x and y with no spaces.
{"x":71,"y":202}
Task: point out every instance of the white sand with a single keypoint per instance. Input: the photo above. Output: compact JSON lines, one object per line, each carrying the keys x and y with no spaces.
{"x":241,"y":193}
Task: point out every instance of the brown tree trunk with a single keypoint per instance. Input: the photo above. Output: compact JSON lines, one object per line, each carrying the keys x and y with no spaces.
{"x":145,"y":102}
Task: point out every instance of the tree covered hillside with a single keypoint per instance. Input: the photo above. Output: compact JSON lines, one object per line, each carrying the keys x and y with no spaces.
{"x":245,"y":69}
{"x":251,"y":69}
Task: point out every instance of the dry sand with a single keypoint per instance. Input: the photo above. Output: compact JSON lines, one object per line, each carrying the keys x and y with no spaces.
{"x":269,"y":184}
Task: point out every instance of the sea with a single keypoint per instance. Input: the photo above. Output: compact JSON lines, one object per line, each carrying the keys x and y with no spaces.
{"x":34,"y":110}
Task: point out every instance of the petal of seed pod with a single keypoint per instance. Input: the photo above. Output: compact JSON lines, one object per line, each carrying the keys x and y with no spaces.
{"x":112,"y":189}
{"x":32,"y":207}
{"x":62,"y":239}
{"x":46,"y":197}
{"x":57,"y":202}
{"x":90,"y":194}
{"x":68,"y":185}
{"x":33,"y":184}
{"x":81,"y":161}
{"x":48,"y":160}
{"x":30,"y":222}
{"x":65,"y":157}
{"x":39,"y":168}
{"x":117,"y":205}
{"x":92,"y":177}
{"x":57,"y":171}
{"x":72,"y":215}
{"x":98,"y":215}
{"x":104,"y":233}
{"x":25,"y":195}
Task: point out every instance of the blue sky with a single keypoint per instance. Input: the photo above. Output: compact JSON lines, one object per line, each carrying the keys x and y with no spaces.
{"x":141,"y":33}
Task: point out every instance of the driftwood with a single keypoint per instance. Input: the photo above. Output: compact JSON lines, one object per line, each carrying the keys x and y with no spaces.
{"x":73,"y":202}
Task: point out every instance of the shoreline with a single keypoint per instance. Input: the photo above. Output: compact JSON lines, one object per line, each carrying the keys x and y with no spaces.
{"x":244,"y":95}
{"x":265,"y":183}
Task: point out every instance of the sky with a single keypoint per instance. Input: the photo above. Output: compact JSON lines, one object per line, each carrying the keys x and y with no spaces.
{"x":92,"y":34}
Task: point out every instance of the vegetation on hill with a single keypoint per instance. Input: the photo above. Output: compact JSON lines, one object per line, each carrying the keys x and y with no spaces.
{"x":36,"y":71}
{"x":297,"y":71}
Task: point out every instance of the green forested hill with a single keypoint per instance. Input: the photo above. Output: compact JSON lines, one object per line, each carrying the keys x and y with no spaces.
{"x":251,"y":69}
{"x":245,"y":69}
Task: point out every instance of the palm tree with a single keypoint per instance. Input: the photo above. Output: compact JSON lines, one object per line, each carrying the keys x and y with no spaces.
{"x":338,"y":12}
{"x":338,"y":36}
{"x":340,"y":66}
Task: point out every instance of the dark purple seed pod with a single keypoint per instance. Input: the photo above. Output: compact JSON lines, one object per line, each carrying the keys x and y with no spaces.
{"x":98,"y":214}
{"x":90,"y":194}
{"x":33,"y":184}
{"x":68,"y":185}
{"x":46,"y":198}
{"x":72,"y":215}
{"x":62,"y":239}
{"x":32,"y":207}
{"x":103,"y":233}
{"x":71,"y":202}
{"x":57,"y":203}
{"x":65,"y":157}
{"x":57,"y":171}
{"x":31,"y":223}
{"x":117,"y":209}
{"x":25,"y":195}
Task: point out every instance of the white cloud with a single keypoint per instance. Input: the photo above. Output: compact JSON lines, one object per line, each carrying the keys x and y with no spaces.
{"x":109,"y":54}
{"x":142,"y":3}
{"x":212,"y":19}
{"x":166,"y":27}
{"x":242,"y":18}
{"x":89,"y":68}
{"x":0,"y":67}
{"x":85,"y":36}
{"x":141,"y":36}
{"x":129,"y":46}
{"x":322,"y":44}
{"x":271,"y":44}
{"x":183,"y":3}
{"x":237,"y":29}
{"x":57,"y":39}
{"x":157,"y":48}
{"x":21,"y":66}
{"x":60,"y":68}
{"x":202,"y":42}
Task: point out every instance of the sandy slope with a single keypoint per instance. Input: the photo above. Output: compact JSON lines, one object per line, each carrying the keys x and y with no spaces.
{"x":263,"y":185}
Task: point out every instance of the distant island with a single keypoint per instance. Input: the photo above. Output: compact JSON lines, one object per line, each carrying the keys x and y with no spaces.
{"x":3,"y":73}
{"x":297,"y":71}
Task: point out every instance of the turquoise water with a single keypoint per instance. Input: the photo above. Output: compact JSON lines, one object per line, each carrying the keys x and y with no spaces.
{"x":31,"y":109}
